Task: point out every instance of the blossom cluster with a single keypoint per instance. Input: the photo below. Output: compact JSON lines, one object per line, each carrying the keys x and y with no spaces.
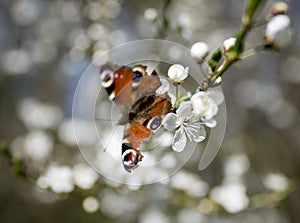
{"x":191,"y":113}
{"x":63,"y":179}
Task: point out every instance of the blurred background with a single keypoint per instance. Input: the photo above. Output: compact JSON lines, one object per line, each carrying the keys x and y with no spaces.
{"x":44,"y":48}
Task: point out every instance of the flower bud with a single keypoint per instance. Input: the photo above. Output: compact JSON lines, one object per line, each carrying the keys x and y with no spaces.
{"x":177,"y":73}
{"x":229,"y":43}
{"x":278,"y":32}
{"x":199,"y":51}
{"x":217,"y":82}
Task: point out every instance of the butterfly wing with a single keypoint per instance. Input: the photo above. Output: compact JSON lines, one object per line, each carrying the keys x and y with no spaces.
{"x":126,"y":85}
{"x":134,"y":135}
{"x":145,"y":118}
{"x":118,"y":84}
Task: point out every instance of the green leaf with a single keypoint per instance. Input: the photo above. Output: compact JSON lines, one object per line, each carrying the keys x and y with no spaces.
{"x":215,"y":58}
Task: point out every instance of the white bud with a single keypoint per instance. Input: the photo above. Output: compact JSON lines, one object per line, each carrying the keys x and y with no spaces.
{"x":199,"y":51}
{"x":217,"y":82}
{"x":177,"y":73}
{"x":277,"y":9}
{"x":229,"y":43}
{"x":278,"y":31}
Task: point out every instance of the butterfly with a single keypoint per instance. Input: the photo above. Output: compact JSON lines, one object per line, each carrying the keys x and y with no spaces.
{"x":133,"y":90}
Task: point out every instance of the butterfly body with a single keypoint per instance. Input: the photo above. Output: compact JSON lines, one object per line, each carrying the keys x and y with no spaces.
{"x":133,"y":91}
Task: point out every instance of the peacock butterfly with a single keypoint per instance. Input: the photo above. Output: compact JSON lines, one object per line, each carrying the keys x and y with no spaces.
{"x":133,"y":90}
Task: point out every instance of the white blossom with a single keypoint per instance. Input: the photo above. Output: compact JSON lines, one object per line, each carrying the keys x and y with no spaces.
{"x":199,"y":51}
{"x":276,"y":181}
{"x":153,"y":215}
{"x":190,"y":215}
{"x":42,"y":183}
{"x":84,"y":176}
{"x":9,"y":62}
{"x":185,"y":125}
{"x":114,"y":204}
{"x":164,"y":87}
{"x":189,"y":183}
{"x":38,"y":145}
{"x":235,"y":166}
{"x":35,"y":114}
{"x":177,"y":73}
{"x":200,"y":104}
{"x":205,"y":105}
{"x":229,"y":43}
{"x":278,"y":31}
{"x":231,"y":196}
{"x":59,"y":178}
{"x":191,"y":116}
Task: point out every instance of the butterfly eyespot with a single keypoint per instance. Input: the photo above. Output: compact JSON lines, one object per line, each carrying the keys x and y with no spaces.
{"x":106,"y":76}
{"x":137,"y":76}
{"x":130,"y":157}
{"x":155,"y":123}
{"x":138,"y":73}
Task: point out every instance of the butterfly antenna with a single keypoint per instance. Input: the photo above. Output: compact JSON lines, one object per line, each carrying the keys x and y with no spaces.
{"x":106,"y":120}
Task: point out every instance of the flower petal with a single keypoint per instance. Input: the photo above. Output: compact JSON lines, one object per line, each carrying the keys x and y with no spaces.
{"x":170,"y":122}
{"x":185,"y":110}
{"x":229,"y":43}
{"x":211,"y":123}
{"x":164,"y":87}
{"x":217,"y":96}
{"x":196,"y":131}
{"x":185,"y":73}
{"x":173,"y":98}
{"x":199,"y":134}
{"x":179,"y":141}
{"x":213,"y":109}
{"x":200,"y":103}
